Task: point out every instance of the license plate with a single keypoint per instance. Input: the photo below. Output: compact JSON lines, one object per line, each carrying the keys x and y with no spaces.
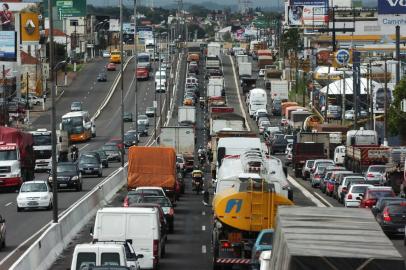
{"x":63,"y":185}
{"x":32,"y":203}
{"x":401,"y":229}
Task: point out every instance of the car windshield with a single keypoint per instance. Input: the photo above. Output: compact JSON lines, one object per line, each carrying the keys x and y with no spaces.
{"x":61,"y":168}
{"x":34,"y":187}
{"x":129,"y":137}
{"x":375,"y":194}
{"x":102,"y":154}
{"x":397,"y":208}
{"x":359,"y":189}
{"x":150,"y":109}
{"x":266,"y":239}
{"x":162,"y":201}
{"x":87,"y":160}
{"x":8,"y":155}
{"x":42,"y":139}
{"x":142,"y":117}
{"x":378,"y":169}
{"x":310,"y":163}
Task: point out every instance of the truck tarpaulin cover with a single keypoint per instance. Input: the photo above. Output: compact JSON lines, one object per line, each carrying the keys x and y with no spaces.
{"x":151,"y":166}
{"x":23,"y":140}
{"x":316,"y":238}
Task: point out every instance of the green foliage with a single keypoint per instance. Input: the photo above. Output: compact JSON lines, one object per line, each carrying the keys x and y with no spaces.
{"x":199,"y":11}
{"x":227,"y":37}
{"x":291,"y":39}
{"x":397,"y":118}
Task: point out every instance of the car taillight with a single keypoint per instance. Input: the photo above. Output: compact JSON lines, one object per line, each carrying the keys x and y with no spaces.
{"x":155,"y":244}
{"x":316,"y":176}
{"x":125,"y":204}
{"x":344,"y":190}
{"x":171,"y":212}
{"x":349,"y":197}
{"x":386,"y":216}
{"x":369,"y":203}
{"x":369,"y":175}
{"x":225,"y":244}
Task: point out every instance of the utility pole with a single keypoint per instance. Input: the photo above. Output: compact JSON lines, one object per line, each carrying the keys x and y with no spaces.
{"x":135,"y":70}
{"x":5,"y":114}
{"x":326,"y":99}
{"x":343,"y":99}
{"x":155,"y":97}
{"x":356,"y":83}
{"x":122,"y":80}
{"x":53,"y":112}
{"x":160,"y":81}
{"x":385,"y":137}
{"x":397,"y":54}
{"x":371,"y":96}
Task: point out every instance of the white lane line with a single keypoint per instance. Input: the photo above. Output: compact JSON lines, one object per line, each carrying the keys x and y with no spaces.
{"x":83,"y":147}
{"x":203,"y":228}
{"x":204,"y":249}
{"x":203,"y":213}
{"x":238,"y":93}
{"x":324,"y":200}
{"x":8,"y":204}
{"x":305,"y":192}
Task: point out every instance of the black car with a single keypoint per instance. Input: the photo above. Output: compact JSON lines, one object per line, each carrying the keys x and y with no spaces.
{"x":2,"y":232}
{"x":112,"y":151}
{"x":278,"y":145}
{"x":102,"y":77}
{"x":103,"y":158}
{"x":90,"y":165}
{"x":128,"y":117}
{"x":68,"y":176}
{"x":393,"y":218}
{"x":142,"y":130}
{"x":383,"y":202}
{"x":130,"y":139}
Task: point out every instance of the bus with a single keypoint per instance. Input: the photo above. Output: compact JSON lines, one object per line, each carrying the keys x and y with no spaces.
{"x":144,"y":60}
{"x":115,"y":57}
{"x":79,"y":126}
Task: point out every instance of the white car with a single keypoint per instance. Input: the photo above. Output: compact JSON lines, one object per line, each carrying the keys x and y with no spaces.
{"x":349,"y":115}
{"x":106,"y":54}
{"x":34,"y":100}
{"x":261,"y":72}
{"x":143,"y":120}
{"x":376,"y":173}
{"x":352,"y":198}
{"x":34,"y":194}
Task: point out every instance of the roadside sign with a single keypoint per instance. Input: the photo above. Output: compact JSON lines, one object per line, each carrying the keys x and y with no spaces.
{"x":342,"y":57}
{"x":45,"y":70}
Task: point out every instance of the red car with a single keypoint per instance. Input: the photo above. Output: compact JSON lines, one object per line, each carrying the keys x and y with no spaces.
{"x":111,"y":67}
{"x":118,"y":142}
{"x":142,"y":73}
{"x":372,"y":194}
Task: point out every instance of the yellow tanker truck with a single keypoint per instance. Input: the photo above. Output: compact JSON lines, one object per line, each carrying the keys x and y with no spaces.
{"x":239,"y":215}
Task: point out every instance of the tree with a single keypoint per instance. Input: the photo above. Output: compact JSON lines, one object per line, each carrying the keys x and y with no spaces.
{"x":397,"y":118}
{"x":227,"y":37}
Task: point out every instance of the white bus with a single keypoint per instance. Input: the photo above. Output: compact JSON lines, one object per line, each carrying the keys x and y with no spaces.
{"x":144,"y":60}
{"x":79,"y":126}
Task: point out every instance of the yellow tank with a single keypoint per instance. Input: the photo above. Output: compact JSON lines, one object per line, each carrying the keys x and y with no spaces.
{"x":248,"y":210}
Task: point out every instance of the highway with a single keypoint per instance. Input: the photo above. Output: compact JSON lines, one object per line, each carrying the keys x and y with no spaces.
{"x":24,"y":226}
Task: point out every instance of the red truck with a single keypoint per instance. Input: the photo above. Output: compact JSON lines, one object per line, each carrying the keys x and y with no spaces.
{"x":142,"y":73}
{"x":306,"y":151}
{"x":17,"y":159}
{"x":359,"y":157}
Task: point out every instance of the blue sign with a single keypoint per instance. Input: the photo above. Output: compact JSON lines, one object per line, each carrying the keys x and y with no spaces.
{"x":342,"y":57}
{"x":392,"y":7}
{"x":8,"y":46}
{"x":233,"y":203}
{"x":308,"y":3}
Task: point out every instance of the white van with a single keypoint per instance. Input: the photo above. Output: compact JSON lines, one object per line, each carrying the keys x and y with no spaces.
{"x":339,"y":155}
{"x":141,"y":226}
{"x":160,"y":78}
{"x":104,"y":254}
{"x":257,"y":100}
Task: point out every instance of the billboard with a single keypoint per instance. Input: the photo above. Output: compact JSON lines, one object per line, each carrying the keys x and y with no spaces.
{"x":392,"y":7}
{"x":114,"y":25}
{"x":29,"y":28}
{"x":314,"y":15}
{"x":8,"y":46}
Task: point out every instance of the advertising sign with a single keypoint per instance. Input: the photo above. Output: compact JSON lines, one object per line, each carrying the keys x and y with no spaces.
{"x":295,"y":15}
{"x":29,"y":25}
{"x":114,"y":25}
{"x":8,"y":46}
{"x":314,"y":15}
{"x":392,"y":7}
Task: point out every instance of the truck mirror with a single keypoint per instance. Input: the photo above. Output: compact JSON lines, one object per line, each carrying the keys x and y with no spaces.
{"x":140,"y":256}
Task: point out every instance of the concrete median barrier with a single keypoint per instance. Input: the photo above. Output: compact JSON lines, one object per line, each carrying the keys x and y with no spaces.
{"x":46,"y":249}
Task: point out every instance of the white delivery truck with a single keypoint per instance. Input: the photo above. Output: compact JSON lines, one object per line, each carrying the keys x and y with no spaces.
{"x":279,"y":89}
{"x":257,"y":100}
{"x":245,"y":69}
{"x":86,"y":256}
{"x":182,"y":139}
{"x":214,"y":49}
{"x":186,"y":115}
{"x":141,"y":226}
{"x":241,"y":58}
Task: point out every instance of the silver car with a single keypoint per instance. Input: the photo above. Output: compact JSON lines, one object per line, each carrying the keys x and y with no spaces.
{"x":306,"y":169}
{"x":376,"y":173}
{"x":143,"y":120}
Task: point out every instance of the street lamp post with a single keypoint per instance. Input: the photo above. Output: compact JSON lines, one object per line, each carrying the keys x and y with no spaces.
{"x":122,"y":80}
{"x":135,"y":70}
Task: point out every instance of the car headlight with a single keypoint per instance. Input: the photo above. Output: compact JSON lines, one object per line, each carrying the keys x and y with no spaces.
{"x":50,"y":179}
{"x":75,"y":178}
{"x":44,"y":197}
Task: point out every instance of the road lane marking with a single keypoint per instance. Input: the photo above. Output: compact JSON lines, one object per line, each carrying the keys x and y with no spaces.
{"x":8,"y":204}
{"x":204,"y":250}
{"x":305,"y":192}
{"x":203,"y":228}
{"x":324,"y":200}
{"x":83,"y":147}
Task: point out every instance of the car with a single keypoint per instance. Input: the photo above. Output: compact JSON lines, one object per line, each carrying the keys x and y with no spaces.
{"x":263,"y":242}
{"x":160,"y":88}
{"x":289,"y":138}
{"x":352,"y":198}
{"x":106,"y":54}
{"x":306,"y":169}
{"x":278,"y":145}
{"x":263,"y":125}
{"x":102,"y":77}
{"x":326,"y":176}
{"x":76,"y":106}
{"x":261,"y":119}
{"x":376,"y":173}
{"x":332,"y":180}
{"x":338,"y":179}
{"x":143,"y":120}
{"x":111,"y":67}
{"x":142,"y":73}
{"x":383,"y":202}
{"x":166,"y":205}
{"x":68,"y":176}
{"x":349,"y":115}
{"x":289,"y":147}
{"x":142,"y":130}
{"x":103,"y":158}
{"x":128,"y":117}
{"x":90,"y":165}
{"x":113,"y":152}
{"x":134,"y":195}
{"x":347,"y":181}
{"x":393,"y":218}
{"x":316,"y":172}
{"x":150,"y":112}
{"x":130,"y":139}
{"x":260,"y":113}
{"x":372,"y":194}
{"x":261,"y":72}
{"x":2,"y":232}
{"x":288,"y":160}
{"x":116,"y":141}
{"x":34,"y":100}
{"x":34,"y":194}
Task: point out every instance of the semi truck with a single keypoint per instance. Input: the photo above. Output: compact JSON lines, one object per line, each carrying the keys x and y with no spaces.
{"x":279,"y":89}
{"x":17,"y":158}
{"x":264,"y":60}
{"x":186,"y":115}
{"x":42,"y":149}
{"x":245,"y":69}
{"x":310,"y":238}
{"x":330,"y":140}
{"x":305,"y":151}
{"x":213,"y":62}
{"x":213,"y":49}
{"x":223,"y":119}
{"x":152,"y":167}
